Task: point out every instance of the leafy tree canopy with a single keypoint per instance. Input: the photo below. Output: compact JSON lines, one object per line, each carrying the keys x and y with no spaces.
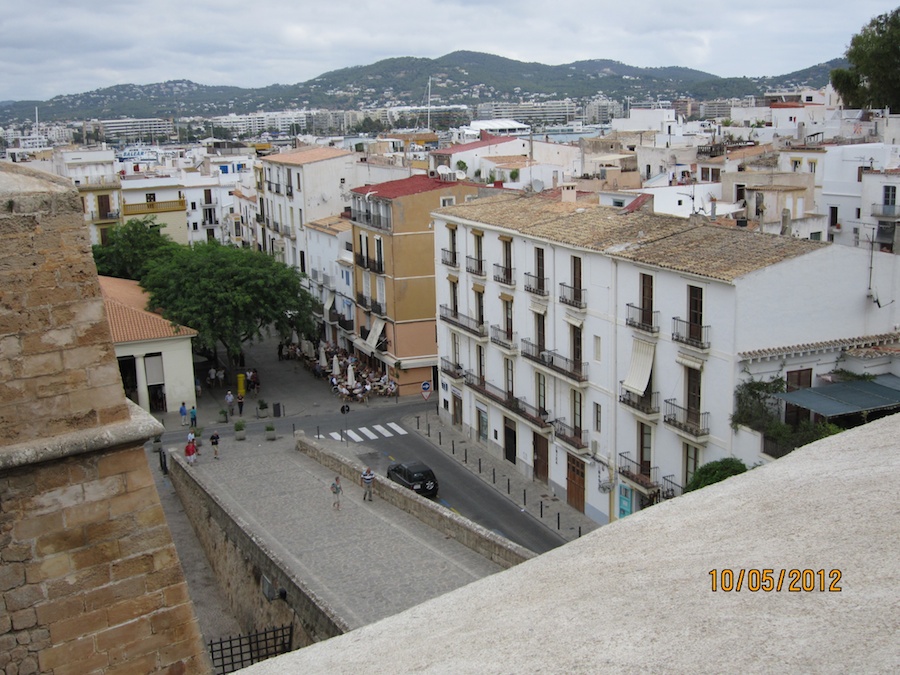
{"x":874,"y":53}
{"x":131,"y":248}
{"x":713,"y":472}
{"x":230,"y":295}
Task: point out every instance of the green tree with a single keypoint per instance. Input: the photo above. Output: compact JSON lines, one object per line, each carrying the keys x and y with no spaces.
{"x":713,"y":472}
{"x":131,"y":248}
{"x":230,"y":295}
{"x":874,"y":53}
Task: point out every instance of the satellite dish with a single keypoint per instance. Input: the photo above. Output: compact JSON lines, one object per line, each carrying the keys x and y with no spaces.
{"x":460,"y":175}
{"x":537,"y":185}
{"x":444,"y":171}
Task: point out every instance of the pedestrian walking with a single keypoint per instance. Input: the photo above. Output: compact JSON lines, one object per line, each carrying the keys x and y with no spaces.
{"x":211,"y":377}
{"x":366,"y":480}
{"x":336,"y":491}
{"x":229,"y":402}
{"x":214,"y":442}
{"x":220,"y":377}
{"x":190,"y":452}
{"x":240,"y":402}
{"x":193,"y":416}
{"x":183,"y":412}
{"x":191,"y":435}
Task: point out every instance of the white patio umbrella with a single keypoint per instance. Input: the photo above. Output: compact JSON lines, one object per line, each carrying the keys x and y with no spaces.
{"x":323,"y":360}
{"x":351,"y":377}
{"x":335,"y":366}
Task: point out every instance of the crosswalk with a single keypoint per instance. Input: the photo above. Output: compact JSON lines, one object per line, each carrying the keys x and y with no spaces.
{"x":360,"y":434}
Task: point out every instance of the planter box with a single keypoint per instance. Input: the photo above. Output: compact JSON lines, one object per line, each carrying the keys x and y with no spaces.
{"x":262,"y":413}
{"x":240,"y":435}
{"x":271,"y":435}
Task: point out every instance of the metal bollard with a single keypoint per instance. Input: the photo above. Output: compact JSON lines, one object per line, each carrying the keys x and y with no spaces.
{"x":557,"y":521}
{"x":579,"y":531}
{"x":524,"y":497}
{"x":440,"y":442}
{"x":428,"y":429}
{"x":453,"y":446}
{"x":479,"y":465}
{"x":465,"y":455}
{"x":494,"y":475}
{"x":542,"y":509}
{"x":318,"y":433}
{"x":507,"y":486}
{"x":417,"y":422}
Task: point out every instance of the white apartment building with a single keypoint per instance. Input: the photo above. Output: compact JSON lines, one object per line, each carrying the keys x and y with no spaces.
{"x":598,"y":349}
{"x":330,"y":270}
{"x":94,"y":173}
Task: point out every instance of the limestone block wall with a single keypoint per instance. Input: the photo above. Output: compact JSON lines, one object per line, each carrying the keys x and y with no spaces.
{"x":58,"y":370}
{"x":90,"y":580}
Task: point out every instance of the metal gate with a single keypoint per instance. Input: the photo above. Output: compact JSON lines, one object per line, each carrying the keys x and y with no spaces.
{"x":234,"y":653}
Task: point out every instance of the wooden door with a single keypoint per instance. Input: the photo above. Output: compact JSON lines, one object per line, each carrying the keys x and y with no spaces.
{"x":575,"y":483}
{"x":541,"y":457}
{"x":509,"y":440}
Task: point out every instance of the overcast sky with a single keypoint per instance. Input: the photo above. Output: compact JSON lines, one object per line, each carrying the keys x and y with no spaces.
{"x":51,"y":47}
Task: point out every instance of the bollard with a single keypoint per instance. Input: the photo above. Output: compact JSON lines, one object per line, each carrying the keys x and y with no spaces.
{"x":453,"y":446}
{"x":417,"y":422}
{"x":579,"y":531}
{"x":439,"y":438}
{"x":428,"y":429}
{"x":465,"y":456}
{"x":318,"y":433}
{"x":479,"y":465}
{"x":524,"y":498}
{"x":507,"y":486}
{"x":542,"y":508}
{"x":557,"y":520}
{"x":293,"y":428}
{"x":494,"y":475}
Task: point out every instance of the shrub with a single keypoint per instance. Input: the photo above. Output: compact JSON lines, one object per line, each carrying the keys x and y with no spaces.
{"x":240,"y":425}
{"x":715,"y":472}
{"x":270,"y":427}
{"x":261,"y":404}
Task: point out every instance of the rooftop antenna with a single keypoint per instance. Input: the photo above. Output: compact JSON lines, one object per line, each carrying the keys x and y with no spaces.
{"x":428,"y":104}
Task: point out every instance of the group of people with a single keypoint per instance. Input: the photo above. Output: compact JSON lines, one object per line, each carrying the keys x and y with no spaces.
{"x":191,"y":450}
{"x":366,"y":480}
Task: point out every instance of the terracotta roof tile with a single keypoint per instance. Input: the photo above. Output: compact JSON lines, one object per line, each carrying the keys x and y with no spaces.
{"x":412,"y":185}
{"x":128,"y":320}
{"x":307,"y":155}
{"x":862,"y":344}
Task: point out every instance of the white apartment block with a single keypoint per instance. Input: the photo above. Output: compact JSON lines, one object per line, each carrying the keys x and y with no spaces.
{"x":95,"y":174}
{"x":530,"y":112}
{"x":137,"y":129}
{"x":598,"y":349}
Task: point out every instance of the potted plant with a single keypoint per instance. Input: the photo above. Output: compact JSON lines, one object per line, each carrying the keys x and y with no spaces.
{"x":262,"y":408}
{"x":198,"y":436}
{"x":240,"y":430}
{"x":157,"y":443}
{"x":223,"y":416}
{"x":270,"y":432}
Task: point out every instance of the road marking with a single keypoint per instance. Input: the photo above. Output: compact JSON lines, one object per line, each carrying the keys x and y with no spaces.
{"x":355,"y":436}
{"x":368,"y":433}
{"x":336,"y":436}
{"x":384,"y":432}
{"x":396,"y":427}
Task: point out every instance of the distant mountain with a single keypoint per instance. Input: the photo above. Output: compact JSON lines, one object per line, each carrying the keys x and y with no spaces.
{"x":461,"y":77}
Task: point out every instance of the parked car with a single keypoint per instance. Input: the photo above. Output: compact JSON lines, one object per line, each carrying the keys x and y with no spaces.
{"x":415,"y":476}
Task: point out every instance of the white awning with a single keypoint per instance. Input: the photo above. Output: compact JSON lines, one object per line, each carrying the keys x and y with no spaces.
{"x":641,"y":365}
{"x":689,"y":361}
{"x":375,"y":333}
{"x":329,"y":301}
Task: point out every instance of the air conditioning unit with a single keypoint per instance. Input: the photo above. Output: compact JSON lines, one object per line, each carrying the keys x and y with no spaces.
{"x":546,"y":357}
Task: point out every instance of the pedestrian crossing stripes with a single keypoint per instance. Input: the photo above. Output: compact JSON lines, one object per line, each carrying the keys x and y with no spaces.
{"x":360,"y":434}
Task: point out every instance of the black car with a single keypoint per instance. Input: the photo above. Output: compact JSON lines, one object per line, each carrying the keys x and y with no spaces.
{"x":415,"y":476}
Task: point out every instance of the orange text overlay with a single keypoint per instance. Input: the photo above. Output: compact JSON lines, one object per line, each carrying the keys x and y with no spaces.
{"x":768,"y":580}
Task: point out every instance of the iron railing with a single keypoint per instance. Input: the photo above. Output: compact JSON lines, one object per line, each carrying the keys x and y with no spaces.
{"x":463,"y":321}
{"x":504,"y":275}
{"x":574,"y":297}
{"x":642,"y":319}
{"x":475,"y":266}
{"x":235,"y":653}
{"x":692,"y":334}
{"x":537,"y":285}
{"x":647,"y":404}
{"x":671,"y":489}
{"x":504,"y":338}
{"x":569,"y":434}
{"x":691,"y":421}
{"x":451,"y":369}
{"x":449,"y":258}
{"x":639,"y":473}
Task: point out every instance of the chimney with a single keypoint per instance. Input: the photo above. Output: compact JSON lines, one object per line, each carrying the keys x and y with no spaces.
{"x":785,"y":221}
{"x":712,"y":208}
{"x":567,"y":192}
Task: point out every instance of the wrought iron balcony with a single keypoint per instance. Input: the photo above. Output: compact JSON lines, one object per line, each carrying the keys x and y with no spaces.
{"x":334,"y":316}
{"x":363,"y":300}
{"x":647,"y":404}
{"x":537,"y":285}
{"x":463,"y":321}
{"x":449,"y":258}
{"x":451,"y":369}
{"x":690,"y":421}
{"x":260,"y":218}
{"x":505,"y":338}
{"x":692,"y":334}
{"x":345,"y":323}
{"x":642,"y":319}
{"x":570,"y":435}
{"x":375,"y":265}
{"x":361,"y":216}
{"x":359,"y":259}
{"x":378,"y":308}
{"x":475,"y":266}
{"x":534,"y":415}
{"x":775,"y":449}
{"x":577,"y":370}
{"x":533,"y":351}
{"x":671,"y":489}
{"x":504,"y":275}
{"x":644,"y":477}
{"x":574,"y":297}
{"x":886,"y":211}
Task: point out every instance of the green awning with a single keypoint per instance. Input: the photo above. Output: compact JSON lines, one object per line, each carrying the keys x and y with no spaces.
{"x":845,"y":398}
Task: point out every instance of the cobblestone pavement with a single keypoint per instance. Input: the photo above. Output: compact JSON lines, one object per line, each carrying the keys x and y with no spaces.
{"x":368,"y":560}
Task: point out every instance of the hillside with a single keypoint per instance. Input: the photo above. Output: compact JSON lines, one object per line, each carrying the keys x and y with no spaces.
{"x":461,"y":77}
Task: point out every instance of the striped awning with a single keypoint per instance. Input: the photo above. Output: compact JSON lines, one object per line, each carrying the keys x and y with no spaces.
{"x":641,"y":365}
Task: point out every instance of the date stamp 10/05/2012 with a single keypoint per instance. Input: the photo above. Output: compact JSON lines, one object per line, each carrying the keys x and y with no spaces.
{"x":768,"y":580}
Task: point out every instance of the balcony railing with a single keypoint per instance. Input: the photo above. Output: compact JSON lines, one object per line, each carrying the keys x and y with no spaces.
{"x":153,"y":207}
{"x":360,"y":259}
{"x":537,"y":285}
{"x":504,"y":275}
{"x":333,"y":315}
{"x":260,"y":218}
{"x":89,"y":183}
{"x":375,"y":265}
{"x":451,"y":369}
{"x":465,"y":322}
{"x":569,"y":434}
{"x":504,"y":338}
{"x":327,"y":280}
{"x":643,"y":475}
{"x":642,"y":319}
{"x":363,"y":300}
{"x":378,"y":308}
{"x":890,"y":211}
{"x":381,"y":222}
{"x":577,"y":370}
{"x":647,"y":404}
{"x":671,"y":489}
{"x":691,"y":334}
{"x":346,"y":323}
{"x":449,"y":258}
{"x":361,"y":216}
{"x":691,"y":421}
{"x":507,"y":400}
{"x":210,"y":223}
{"x":475,"y":266}
{"x":574,"y":297}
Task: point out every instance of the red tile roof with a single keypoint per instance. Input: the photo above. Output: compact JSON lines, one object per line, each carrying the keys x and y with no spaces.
{"x":474,"y":145}
{"x":128,"y":320}
{"x":406,"y":186}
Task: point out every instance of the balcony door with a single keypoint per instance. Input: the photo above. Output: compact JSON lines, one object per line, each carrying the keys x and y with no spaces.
{"x":646,"y":300}
{"x":695,"y":313}
{"x":692,"y":396}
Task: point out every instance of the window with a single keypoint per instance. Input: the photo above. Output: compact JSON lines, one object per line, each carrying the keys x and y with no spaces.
{"x":691,"y":461}
{"x":646,"y":299}
{"x":479,"y":355}
{"x":704,"y":174}
{"x":832,"y":216}
{"x":815,"y":236}
{"x":540,"y":389}
{"x":597,"y":348}
{"x":577,"y":352}
{"x":797,"y":379}
{"x":448,"y":201}
{"x":508,"y":318}
{"x":795,"y":164}
{"x":692,"y":395}
{"x":645,"y":447}
{"x":890,"y":195}
{"x":576,"y":411}
{"x":510,"y":382}
{"x":150,"y":197}
{"x":598,"y":424}
{"x":482,"y":425}
{"x":479,"y":306}
{"x":454,"y":297}
{"x":812,"y":166}
{"x":454,"y":348}
{"x":695,"y":313}
{"x":193,"y":206}
{"x":540,"y":331}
